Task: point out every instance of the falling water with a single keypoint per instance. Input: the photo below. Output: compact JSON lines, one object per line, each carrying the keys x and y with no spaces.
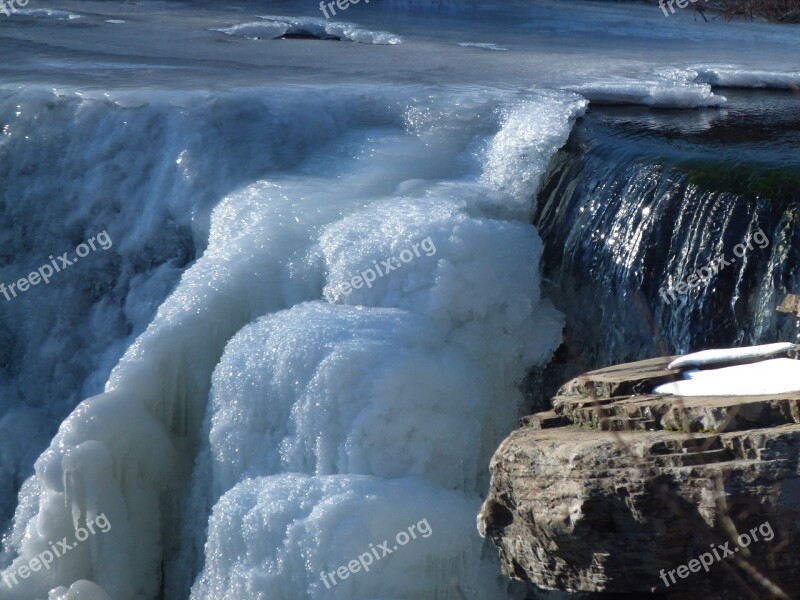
{"x":639,"y":201}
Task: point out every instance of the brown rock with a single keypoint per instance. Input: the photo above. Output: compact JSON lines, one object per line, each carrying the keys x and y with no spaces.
{"x":615,"y":484}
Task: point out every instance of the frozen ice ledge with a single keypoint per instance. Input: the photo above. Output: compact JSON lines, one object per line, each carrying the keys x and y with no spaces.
{"x":277,"y":27}
{"x":616,"y":483}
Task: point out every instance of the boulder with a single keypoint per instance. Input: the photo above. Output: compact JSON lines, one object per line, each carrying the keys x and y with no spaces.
{"x":615,"y":487}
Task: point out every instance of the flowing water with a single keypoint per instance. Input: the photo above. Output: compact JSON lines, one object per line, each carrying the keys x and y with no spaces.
{"x":225,"y":383}
{"x":638,"y":201}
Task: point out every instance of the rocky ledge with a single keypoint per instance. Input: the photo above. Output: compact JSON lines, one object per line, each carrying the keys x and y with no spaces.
{"x":616,"y":487}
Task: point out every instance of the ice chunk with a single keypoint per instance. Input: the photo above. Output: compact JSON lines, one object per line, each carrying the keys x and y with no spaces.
{"x":271,"y":27}
{"x":729,"y":76}
{"x":661,"y":94}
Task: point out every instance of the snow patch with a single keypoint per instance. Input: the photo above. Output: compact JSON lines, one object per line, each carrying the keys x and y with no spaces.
{"x":776,"y":376}
{"x":710,"y":357}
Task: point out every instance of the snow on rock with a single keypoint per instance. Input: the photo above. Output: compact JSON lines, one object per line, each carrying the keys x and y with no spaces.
{"x":710,"y":357}
{"x":776,"y":376}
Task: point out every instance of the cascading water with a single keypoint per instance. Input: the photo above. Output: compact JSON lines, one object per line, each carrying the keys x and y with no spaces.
{"x":638,"y":202}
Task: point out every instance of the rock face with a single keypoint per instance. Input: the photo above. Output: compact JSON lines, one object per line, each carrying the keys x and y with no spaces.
{"x":615,"y":484}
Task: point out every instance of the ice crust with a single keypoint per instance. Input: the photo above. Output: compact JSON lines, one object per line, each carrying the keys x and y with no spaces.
{"x":272,"y":27}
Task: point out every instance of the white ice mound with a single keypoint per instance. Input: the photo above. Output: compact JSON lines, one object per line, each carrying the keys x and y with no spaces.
{"x":711,"y":357}
{"x":658,"y":94}
{"x":730,"y":76}
{"x":271,"y":27}
{"x":80,"y":590}
{"x":532,"y":131}
{"x":776,"y":376}
{"x":282,"y":537}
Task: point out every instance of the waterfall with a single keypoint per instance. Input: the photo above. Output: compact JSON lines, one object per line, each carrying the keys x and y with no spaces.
{"x":628,"y":213}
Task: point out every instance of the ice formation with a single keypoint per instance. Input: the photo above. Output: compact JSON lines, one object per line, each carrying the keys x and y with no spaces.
{"x":272,"y":27}
{"x":245,"y":424}
{"x":352,"y":391}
